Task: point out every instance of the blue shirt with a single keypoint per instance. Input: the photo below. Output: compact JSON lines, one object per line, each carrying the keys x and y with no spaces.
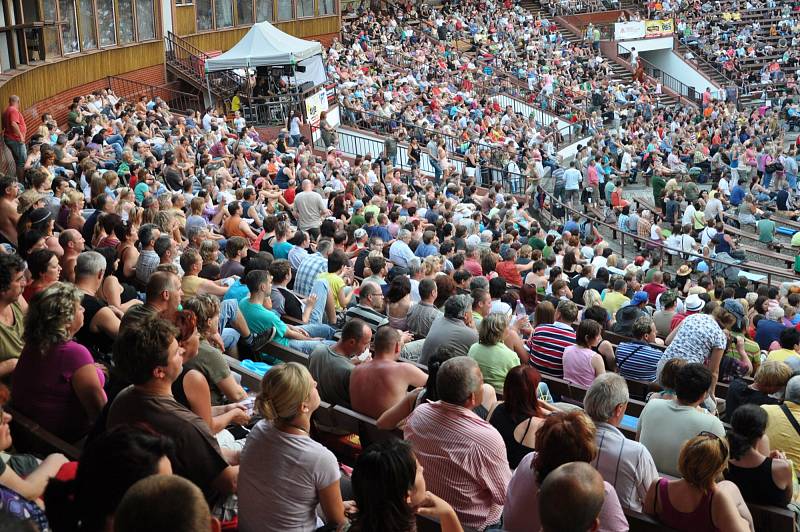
{"x":737,"y":195}
{"x":768,"y":331}
{"x":424,"y":250}
{"x":637,"y":361}
{"x":237,"y":291}
{"x":260,"y":319}
{"x":379,"y":231}
{"x":281,"y":250}
{"x":307,"y":273}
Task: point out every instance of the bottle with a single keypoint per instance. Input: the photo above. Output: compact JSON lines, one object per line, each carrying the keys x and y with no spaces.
{"x":520,"y":311}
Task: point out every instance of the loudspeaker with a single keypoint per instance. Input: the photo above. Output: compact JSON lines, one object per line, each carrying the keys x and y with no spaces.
{"x":299,"y":68}
{"x":308,"y":85}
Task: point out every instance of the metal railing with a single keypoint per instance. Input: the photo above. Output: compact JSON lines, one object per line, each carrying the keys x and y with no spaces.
{"x":190,"y":61}
{"x":133,"y":90}
{"x":682,"y":90}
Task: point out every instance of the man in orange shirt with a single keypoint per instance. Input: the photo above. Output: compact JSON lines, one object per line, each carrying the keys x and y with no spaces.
{"x":14,"y":131}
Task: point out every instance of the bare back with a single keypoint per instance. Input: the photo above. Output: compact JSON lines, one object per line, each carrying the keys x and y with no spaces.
{"x":377,"y":385}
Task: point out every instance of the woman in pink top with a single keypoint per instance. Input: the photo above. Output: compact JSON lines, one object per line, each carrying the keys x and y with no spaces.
{"x":581,"y":363}
{"x":562,"y":438}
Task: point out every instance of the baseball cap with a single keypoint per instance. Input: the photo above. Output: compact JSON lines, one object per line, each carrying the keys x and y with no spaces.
{"x":639,"y":298}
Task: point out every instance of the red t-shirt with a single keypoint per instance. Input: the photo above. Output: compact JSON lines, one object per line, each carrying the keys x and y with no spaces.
{"x":508,"y":271}
{"x":12,"y":115}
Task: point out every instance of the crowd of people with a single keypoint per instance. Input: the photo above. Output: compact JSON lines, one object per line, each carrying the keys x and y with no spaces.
{"x":142,"y":247}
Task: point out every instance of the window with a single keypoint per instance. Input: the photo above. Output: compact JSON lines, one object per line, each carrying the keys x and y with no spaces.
{"x":51,"y":42}
{"x":69,"y":30}
{"x":285,"y":10}
{"x":327,"y":7}
{"x":49,"y":10}
{"x":145,"y":20}
{"x":125,"y":21}
{"x":87,"y":25}
{"x":205,"y":20}
{"x":105,"y":22}
{"x":244,"y":11}
{"x":264,"y":10}
{"x":305,"y":8}
{"x":223,"y":10}
{"x":183,"y":2}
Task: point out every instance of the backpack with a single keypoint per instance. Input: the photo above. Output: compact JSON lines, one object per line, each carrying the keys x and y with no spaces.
{"x":726,"y":267}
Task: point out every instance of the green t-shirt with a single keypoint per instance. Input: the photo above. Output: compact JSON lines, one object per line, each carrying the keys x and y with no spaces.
{"x":335,"y":283}
{"x":546,"y":251}
{"x":766,"y":231}
{"x":796,"y":239}
{"x":358,"y":220}
{"x":658,"y":188}
{"x":210,"y":362}
{"x":260,"y":319}
{"x":495,"y":362}
{"x":536,"y":243}
{"x":140,"y":190}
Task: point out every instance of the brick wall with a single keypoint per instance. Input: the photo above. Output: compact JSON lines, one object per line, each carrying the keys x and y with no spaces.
{"x":58,"y":105}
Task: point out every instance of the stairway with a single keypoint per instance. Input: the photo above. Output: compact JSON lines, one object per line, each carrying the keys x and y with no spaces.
{"x":186,"y":62}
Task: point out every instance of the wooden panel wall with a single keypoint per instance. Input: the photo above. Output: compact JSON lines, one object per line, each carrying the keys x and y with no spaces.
{"x":37,"y":83}
{"x":184,"y":22}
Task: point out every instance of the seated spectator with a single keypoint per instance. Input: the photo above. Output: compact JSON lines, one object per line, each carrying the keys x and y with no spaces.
{"x":782,"y":423}
{"x":615,"y":299}
{"x":331,"y":365}
{"x":637,"y":360}
{"x":148,"y":258}
{"x":463,"y":456}
{"x":668,"y":379}
{"x":370,"y":306}
{"x":191,"y":389}
{"x":56,"y":382}
{"x":150,"y":359}
{"x":760,"y":478}
{"x":492,"y":355}
{"x":789,"y":339}
{"x":389,"y":488}
{"x":770,"y":379}
{"x":339,"y":279}
{"x":380,"y":383}
{"x":769,"y":329}
{"x":664,"y":426}
{"x":210,"y":360}
{"x":562,"y":438}
{"x":263,"y":321}
{"x":549,"y":340}
{"x":572,"y":493}
{"x":101,"y":324}
{"x":663,"y":317}
{"x":626,"y":464}
{"x":581,"y":363}
{"x":696,"y":501}
{"x":108,"y":466}
{"x":285,"y":301}
{"x":191,"y":283}
{"x":45,"y":270}
{"x":520,"y":414}
{"x":280,"y":462}
{"x":421,"y":316}
{"x":12,"y":311}
{"x":627,"y":315}
{"x":454,"y":329}
{"x":164,"y":503}
{"x":394,"y":416}
{"x":235,"y":251}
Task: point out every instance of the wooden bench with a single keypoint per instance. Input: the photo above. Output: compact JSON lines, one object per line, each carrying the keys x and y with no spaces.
{"x":365,"y":426}
{"x":30,"y":437}
{"x":641,"y":522}
{"x":286,"y":354}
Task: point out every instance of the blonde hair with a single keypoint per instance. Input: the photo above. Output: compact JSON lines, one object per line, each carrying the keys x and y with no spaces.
{"x":72,"y":198}
{"x":591,"y":298}
{"x":283,"y":390}
{"x":431,"y":265}
{"x":205,"y":307}
{"x":773,"y":374}
{"x":702,"y":460}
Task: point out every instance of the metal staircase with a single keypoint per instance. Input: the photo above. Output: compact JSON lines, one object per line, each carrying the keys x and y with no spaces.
{"x":187,"y":62}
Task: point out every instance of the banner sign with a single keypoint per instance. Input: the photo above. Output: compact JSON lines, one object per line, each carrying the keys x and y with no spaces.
{"x":315,"y":104}
{"x":629,"y":30}
{"x":659,"y":28}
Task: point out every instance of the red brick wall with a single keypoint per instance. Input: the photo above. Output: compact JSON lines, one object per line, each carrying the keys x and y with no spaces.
{"x":58,"y":105}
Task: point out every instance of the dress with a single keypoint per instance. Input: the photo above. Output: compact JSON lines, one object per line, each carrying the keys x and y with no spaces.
{"x":506,"y":425}
{"x":756,"y":483}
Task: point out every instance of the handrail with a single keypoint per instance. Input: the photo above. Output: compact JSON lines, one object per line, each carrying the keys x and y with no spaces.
{"x":191,"y":59}
{"x":130,"y":89}
{"x":683,"y":91}
{"x":697,"y":60}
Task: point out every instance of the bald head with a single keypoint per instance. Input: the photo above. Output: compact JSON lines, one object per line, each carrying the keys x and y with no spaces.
{"x":307,"y":184}
{"x":570,"y":498}
{"x":71,"y":240}
{"x":13,"y":100}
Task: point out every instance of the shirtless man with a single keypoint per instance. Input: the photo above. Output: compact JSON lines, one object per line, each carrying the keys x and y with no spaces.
{"x":379,"y":384}
{"x":183,"y":158}
{"x":8,"y":208}
{"x":72,"y":242}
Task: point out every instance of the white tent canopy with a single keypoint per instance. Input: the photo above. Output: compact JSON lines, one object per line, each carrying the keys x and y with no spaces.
{"x":264,"y":45}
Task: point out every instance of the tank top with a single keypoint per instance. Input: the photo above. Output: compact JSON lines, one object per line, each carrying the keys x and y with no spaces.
{"x":505,"y":425}
{"x":99,"y":343}
{"x":756,"y":483}
{"x":231,"y":227}
{"x":177,"y":388}
{"x":189,"y":285}
{"x":698,"y":520}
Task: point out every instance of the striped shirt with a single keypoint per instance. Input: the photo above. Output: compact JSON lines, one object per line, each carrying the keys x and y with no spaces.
{"x":625,"y":464}
{"x":464,"y":459}
{"x":637,"y":361}
{"x":547,"y":344}
{"x":369,"y":315}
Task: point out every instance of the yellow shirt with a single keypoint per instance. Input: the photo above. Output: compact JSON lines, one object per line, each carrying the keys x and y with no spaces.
{"x":782,"y":434}
{"x":780,"y":355}
{"x":613,"y":301}
{"x":335,"y":283}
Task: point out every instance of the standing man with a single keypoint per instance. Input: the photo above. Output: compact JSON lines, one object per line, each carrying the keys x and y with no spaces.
{"x":309,"y":209}
{"x":14,"y":131}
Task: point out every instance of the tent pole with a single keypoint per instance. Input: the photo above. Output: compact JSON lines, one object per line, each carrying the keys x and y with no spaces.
{"x":208,"y":85}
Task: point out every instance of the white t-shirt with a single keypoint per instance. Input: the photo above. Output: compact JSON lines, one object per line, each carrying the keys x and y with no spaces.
{"x":280,"y":475}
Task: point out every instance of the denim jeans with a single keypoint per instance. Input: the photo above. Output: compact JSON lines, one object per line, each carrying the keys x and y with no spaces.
{"x":19,"y":152}
{"x":307,"y":346}
{"x":227,"y":313}
{"x":318,"y":330}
